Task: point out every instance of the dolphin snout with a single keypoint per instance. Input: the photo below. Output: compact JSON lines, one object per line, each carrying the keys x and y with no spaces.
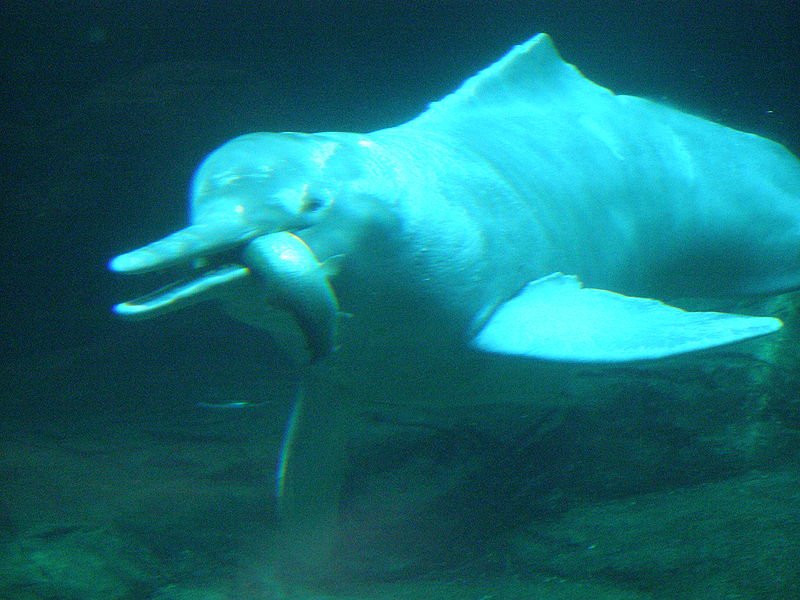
{"x":201,"y":239}
{"x":276,"y":270}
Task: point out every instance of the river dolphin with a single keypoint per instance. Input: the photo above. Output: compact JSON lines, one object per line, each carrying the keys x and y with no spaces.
{"x":530,"y":218}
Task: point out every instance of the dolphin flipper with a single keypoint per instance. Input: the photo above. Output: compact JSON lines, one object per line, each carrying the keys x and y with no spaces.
{"x":556,"y":318}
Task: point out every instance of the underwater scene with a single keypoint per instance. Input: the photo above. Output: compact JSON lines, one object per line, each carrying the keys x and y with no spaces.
{"x":367,"y":300}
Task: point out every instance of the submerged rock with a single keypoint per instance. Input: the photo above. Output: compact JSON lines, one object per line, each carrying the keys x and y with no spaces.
{"x":73,"y":561}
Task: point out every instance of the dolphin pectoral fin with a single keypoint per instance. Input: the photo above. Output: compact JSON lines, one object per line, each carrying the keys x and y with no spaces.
{"x":308,"y":485}
{"x":556,"y":318}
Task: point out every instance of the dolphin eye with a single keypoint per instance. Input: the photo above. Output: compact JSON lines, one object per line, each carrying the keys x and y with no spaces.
{"x":312,"y":204}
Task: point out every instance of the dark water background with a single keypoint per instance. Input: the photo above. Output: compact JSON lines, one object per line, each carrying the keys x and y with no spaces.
{"x":109,"y":108}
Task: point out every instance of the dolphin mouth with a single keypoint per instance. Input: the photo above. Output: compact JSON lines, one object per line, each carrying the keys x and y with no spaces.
{"x":273,"y":271}
{"x":185,"y":292}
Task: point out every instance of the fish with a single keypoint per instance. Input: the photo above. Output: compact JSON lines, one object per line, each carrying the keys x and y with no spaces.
{"x":528,"y":222}
{"x":237,"y":405}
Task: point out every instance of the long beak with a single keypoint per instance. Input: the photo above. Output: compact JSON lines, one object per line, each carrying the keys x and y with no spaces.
{"x":182,"y":294}
{"x":184,"y":245}
{"x":279,"y":268}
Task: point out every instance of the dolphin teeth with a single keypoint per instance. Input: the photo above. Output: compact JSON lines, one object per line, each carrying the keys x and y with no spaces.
{"x":180,"y":294}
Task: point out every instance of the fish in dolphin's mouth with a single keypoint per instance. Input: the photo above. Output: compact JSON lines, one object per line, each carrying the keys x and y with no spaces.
{"x":276,"y":270}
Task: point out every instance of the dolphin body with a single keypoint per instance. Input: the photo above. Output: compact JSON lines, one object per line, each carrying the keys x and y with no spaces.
{"x":531,"y":216}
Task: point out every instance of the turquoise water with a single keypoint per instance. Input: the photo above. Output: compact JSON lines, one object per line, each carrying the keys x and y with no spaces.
{"x":120,"y":477}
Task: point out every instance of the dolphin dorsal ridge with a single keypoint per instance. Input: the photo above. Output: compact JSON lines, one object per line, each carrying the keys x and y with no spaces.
{"x":531,"y":73}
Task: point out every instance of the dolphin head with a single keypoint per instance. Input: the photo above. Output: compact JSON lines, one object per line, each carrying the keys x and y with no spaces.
{"x":255,"y":186}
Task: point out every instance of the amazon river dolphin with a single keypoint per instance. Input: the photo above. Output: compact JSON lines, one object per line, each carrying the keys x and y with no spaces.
{"x":528,"y":219}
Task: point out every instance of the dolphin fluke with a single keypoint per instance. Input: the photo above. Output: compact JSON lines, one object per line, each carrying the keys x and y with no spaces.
{"x":197,"y":240}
